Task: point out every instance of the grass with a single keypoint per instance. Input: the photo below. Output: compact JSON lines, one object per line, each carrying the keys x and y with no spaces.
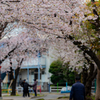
{"x":7,"y":95}
{"x":63,"y":97}
{"x":40,"y":99}
{"x":37,"y":94}
{"x":12,"y":95}
{"x":90,"y":98}
{"x":93,"y":97}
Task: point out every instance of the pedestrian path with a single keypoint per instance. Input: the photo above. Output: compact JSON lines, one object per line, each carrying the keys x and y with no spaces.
{"x":47,"y":96}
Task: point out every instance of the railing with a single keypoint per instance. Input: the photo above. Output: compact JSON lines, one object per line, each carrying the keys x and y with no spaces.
{"x":55,"y":88}
{"x":20,"y":89}
{"x":58,"y":89}
{"x":34,"y":61}
{"x":92,"y":89}
{"x":45,"y":87}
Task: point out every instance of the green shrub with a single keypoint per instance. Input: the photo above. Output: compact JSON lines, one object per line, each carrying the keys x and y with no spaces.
{"x":61,"y":73}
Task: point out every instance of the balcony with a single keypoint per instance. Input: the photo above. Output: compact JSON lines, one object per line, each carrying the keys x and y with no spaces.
{"x":34,"y":63}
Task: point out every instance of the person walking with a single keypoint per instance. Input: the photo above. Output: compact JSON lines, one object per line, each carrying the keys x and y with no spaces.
{"x":35,"y":87}
{"x":25,"y":86}
{"x":77,"y":90}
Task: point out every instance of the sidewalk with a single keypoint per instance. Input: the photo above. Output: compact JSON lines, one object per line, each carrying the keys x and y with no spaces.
{"x":47,"y":96}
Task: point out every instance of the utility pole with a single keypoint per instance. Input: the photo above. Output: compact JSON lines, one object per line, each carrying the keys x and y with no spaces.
{"x":39,"y":67}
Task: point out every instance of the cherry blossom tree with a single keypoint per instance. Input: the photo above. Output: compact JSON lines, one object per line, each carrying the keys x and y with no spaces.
{"x":66,"y":19}
{"x":26,"y":47}
{"x":78,"y":61}
{"x":45,"y":16}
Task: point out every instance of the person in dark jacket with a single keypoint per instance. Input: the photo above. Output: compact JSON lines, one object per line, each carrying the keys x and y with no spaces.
{"x":35,"y":87}
{"x":77,"y":90}
{"x":25,"y":86}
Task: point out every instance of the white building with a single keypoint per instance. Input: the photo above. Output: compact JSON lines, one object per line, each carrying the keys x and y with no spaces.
{"x":35,"y":68}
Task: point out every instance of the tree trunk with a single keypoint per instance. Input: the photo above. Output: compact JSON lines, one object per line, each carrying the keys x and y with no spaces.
{"x":88,"y":81}
{"x":97,"y":97}
{"x":88,"y":88}
{"x":13,"y":87}
{"x":84,"y":74}
{"x":15,"y":81}
{"x":88,"y":76}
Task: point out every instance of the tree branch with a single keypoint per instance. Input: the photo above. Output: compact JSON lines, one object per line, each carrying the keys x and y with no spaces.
{"x":2,"y":27}
{"x":84,"y":48}
{"x":9,"y":54}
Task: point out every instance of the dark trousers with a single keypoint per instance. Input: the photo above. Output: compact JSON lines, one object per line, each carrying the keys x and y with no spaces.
{"x":35,"y":92}
{"x":25,"y":93}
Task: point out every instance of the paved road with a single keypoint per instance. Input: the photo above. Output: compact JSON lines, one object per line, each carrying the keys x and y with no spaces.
{"x":47,"y":96}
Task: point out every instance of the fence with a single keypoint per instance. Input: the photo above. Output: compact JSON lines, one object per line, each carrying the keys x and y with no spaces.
{"x":55,"y":88}
{"x":59,"y":88}
{"x":42,"y":87}
{"x":4,"y":87}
